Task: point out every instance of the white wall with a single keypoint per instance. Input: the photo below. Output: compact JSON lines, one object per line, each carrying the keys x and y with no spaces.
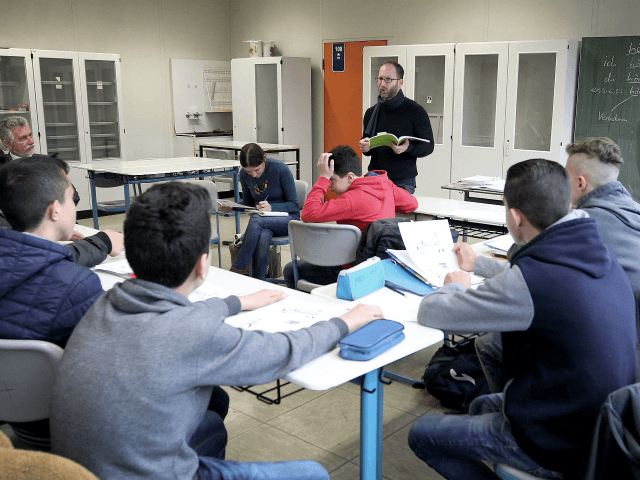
{"x":146,"y":34}
{"x":299,"y":27}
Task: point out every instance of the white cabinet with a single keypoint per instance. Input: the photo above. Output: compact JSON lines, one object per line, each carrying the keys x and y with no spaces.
{"x":271,"y":99}
{"x":513,"y":101}
{"x":73,"y":103}
{"x":490,"y":104}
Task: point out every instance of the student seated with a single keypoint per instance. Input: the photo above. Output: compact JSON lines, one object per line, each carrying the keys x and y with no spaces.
{"x":267,"y":185}
{"x":43,"y":293}
{"x":362,"y":200}
{"x":566,"y":312}
{"x":131,"y":396}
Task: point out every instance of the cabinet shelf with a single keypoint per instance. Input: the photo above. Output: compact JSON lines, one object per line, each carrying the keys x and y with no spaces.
{"x":65,"y":149}
{"x":56,"y":82}
{"x":103,"y":123}
{"x":104,"y":147}
{"x":103,"y":135}
{"x":61,"y":124}
{"x":102,"y":103}
{"x":53,"y":104}
{"x":10,"y":84}
{"x":60,"y":137}
{"x":13,"y":112}
{"x":100,"y":83}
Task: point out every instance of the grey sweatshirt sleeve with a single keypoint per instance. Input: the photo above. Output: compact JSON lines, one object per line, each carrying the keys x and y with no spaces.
{"x":502,"y":304}
{"x":489,"y":267}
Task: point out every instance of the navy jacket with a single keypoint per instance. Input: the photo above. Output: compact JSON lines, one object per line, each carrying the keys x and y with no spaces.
{"x":579,"y":347}
{"x":43,"y":293}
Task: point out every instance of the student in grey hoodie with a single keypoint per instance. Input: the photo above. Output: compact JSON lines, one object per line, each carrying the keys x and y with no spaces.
{"x":566,"y":314}
{"x":593,"y":165}
{"x":137,"y":375}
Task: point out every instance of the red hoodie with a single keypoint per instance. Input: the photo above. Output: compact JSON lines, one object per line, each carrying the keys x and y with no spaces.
{"x":367,"y":200}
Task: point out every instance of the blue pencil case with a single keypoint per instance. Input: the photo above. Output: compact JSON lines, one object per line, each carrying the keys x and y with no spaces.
{"x":371,"y":340}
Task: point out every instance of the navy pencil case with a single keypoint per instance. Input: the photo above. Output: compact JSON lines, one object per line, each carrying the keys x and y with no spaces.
{"x":371,"y":340}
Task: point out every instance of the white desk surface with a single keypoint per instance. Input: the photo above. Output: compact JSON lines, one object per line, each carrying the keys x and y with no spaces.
{"x":459,"y":209}
{"x":237,"y":145}
{"x":328,"y":370}
{"x":153,"y":166}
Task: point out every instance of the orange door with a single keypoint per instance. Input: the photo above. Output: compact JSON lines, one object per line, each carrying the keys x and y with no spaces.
{"x":343,"y":98}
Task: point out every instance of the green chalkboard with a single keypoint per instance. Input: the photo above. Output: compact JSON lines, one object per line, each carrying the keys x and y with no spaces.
{"x":608,"y":102}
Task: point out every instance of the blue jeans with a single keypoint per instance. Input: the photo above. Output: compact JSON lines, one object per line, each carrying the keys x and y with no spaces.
{"x":409,"y":184}
{"x":311,"y":273}
{"x":256,"y":240}
{"x":209,"y":441}
{"x":489,"y":350}
{"x":454,"y":445}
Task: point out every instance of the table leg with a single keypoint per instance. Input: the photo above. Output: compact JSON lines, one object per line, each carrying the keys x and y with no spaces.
{"x":127,"y":197}
{"x":94,"y":205}
{"x":236,"y":196}
{"x":298,"y":164}
{"x":371,"y":396}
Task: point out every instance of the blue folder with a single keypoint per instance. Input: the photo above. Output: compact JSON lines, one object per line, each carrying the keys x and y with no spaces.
{"x":398,"y":277}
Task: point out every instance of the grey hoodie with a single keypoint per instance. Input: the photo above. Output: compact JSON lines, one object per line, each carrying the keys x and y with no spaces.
{"x":138,"y":370}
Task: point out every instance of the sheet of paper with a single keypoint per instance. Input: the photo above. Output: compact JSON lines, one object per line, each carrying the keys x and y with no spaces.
{"x":287,"y":314}
{"x":120,"y":268}
{"x":430,"y":246}
{"x":502,"y":243}
{"x":496,"y":217}
{"x":208,"y":290}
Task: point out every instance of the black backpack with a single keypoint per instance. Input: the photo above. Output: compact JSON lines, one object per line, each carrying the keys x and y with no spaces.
{"x":454,"y":375}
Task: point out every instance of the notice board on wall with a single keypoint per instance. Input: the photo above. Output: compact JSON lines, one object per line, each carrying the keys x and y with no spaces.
{"x":608,"y":103}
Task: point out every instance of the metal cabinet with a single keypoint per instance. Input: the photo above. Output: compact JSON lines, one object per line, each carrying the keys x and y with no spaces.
{"x":271,"y":99}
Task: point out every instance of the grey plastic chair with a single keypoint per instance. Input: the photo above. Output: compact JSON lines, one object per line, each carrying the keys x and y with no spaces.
{"x":114,"y":205}
{"x":28,"y":369}
{"x":213,"y":192}
{"x":322,"y":244}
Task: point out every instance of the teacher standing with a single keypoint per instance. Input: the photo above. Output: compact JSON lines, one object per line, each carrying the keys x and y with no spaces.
{"x":397,"y":114}
{"x":268,"y":185}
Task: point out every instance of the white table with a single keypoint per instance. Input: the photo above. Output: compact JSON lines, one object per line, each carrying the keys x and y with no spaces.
{"x":478,"y":220}
{"x":329,"y":370}
{"x":236,"y":146}
{"x":150,"y":170}
{"x":468,"y":189}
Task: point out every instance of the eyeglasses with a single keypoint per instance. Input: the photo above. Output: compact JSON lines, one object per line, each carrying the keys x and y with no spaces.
{"x":386,"y":79}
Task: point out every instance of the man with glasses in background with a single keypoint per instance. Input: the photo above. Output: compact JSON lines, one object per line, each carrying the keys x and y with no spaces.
{"x":397,"y":114}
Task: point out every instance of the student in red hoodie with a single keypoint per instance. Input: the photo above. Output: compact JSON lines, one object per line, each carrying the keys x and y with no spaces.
{"x":362,"y":200}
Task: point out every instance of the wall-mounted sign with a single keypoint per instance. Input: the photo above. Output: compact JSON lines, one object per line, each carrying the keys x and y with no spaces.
{"x":338,"y":57}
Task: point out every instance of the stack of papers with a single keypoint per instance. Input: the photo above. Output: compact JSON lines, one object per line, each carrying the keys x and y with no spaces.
{"x":500,"y":245}
{"x":493,"y":184}
{"x":246,"y":209}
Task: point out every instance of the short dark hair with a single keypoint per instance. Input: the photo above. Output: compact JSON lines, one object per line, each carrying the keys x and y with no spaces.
{"x":251,"y":155}
{"x":166,"y":231}
{"x":540,"y":189}
{"x":398,"y":67}
{"x":601,"y":148}
{"x":345,"y":160}
{"x":28,"y":186}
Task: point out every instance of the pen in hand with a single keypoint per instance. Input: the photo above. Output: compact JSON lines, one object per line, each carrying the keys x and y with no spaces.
{"x":265,"y":201}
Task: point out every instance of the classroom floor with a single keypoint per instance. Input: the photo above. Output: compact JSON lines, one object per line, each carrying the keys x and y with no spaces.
{"x":318,"y":425}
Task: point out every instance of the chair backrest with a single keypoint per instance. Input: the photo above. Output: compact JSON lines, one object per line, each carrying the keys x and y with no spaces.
{"x":302,"y":190}
{"x":28,"y":369}
{"x":211,"y":188}
{"x":322,"y":244}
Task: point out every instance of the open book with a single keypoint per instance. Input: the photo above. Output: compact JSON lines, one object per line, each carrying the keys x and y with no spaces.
{"x":247,"y":209}
{"x":385,"y":139}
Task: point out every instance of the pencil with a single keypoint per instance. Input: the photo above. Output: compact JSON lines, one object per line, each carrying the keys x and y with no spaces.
{"x":395,"y":290}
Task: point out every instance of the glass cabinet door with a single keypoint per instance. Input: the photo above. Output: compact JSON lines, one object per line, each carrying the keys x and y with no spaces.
{"x":266,"y":77}
{"x":479,"y":109}
{"x":428,"y":80}
{"x":59,"y":113}
{"x":102,"y":109}
{"x":16,"y":88}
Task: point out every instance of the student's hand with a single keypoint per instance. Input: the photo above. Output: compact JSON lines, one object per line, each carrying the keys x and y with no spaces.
{"x":225,"y":209}
{"x":398,"y":149}
{"x":325,"y":166}
{"x":460,"y":277}
{"x":364,"y":145}
{"x":360,"y":315}
{"x":261,"y":299}
{"x":264,"y":206}
{"x":466,"y":256}
{"x":117,"y":242}
{"x":75,"y":236}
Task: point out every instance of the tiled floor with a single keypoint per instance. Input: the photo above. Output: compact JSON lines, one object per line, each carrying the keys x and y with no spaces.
{"x":322,"y":426}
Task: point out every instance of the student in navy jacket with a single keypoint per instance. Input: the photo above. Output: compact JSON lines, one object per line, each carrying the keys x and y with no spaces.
{"x":566,"y":313}
{"x":43,"y":292}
